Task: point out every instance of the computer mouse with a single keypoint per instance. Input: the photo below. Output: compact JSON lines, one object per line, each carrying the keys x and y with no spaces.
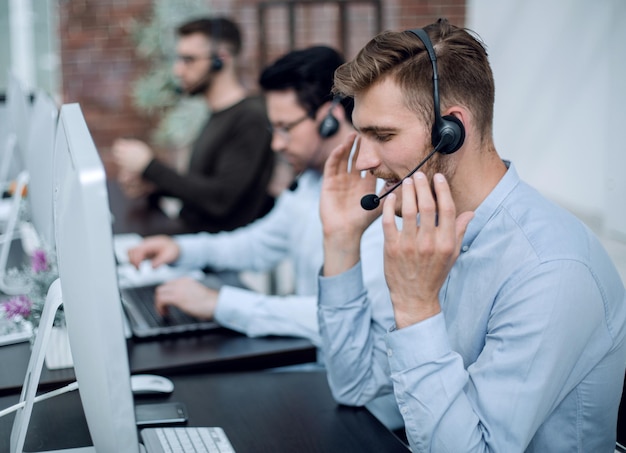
{"x":150,"y":384}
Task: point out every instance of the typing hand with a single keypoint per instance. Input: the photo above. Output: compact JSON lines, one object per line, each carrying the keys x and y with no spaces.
{"x":418,"y":258}
{"x":131,"y":155}
{"x":133,"y":185}
{"x":188,"y":295}
{"x":159,"y":249}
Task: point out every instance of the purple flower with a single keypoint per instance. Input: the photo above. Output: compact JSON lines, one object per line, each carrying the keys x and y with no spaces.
{"x":39,"y":261}
{"x":17,"y":306}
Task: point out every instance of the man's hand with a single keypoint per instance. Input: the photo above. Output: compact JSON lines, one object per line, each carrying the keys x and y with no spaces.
{"x":343,"y":218}
{"x":418,"y":258}
{"x":188,"y":295}
{"x":159,"y":249}
{"x":132,"y":156}
{"x":133,"y":185}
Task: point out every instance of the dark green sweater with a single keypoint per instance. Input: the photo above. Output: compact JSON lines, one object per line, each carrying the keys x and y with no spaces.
{"x":229,"y":170}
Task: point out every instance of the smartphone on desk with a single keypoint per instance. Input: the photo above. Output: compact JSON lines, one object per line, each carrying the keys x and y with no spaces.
{"x":160,"y":414}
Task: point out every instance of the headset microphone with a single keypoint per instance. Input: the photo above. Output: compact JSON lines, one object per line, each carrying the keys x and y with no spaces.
{"x":371,"y":201}
{"x":448,"y":133}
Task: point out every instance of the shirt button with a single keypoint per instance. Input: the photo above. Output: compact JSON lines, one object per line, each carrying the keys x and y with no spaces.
{"x":404,"y":410}
{"x":465,"y":248}
{"x":389,"y":352}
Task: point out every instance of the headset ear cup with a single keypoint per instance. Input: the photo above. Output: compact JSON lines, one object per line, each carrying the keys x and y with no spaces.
{"x":451,"y":135}
{"x":216,"y":63}
{"x":329,"y":126}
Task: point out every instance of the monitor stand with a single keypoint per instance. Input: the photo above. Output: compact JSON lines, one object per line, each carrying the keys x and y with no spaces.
{"x":33,"y":374}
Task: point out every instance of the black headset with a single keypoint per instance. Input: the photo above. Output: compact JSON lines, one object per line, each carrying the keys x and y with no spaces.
{"x":447,"y":135}
{"x":448,"y":131}
{"x":216,"y":62}
{"x":330,"y":125}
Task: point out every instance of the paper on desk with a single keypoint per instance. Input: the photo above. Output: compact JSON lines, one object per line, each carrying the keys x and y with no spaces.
{"x":128,"y":276}
{"x":5,"y":208}
{"x":122,"y":243}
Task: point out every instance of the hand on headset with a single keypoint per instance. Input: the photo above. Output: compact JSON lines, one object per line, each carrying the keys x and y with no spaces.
{"x":343,"y":219}
{"x":418,"y":257}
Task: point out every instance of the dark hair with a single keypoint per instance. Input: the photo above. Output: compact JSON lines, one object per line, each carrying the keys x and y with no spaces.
{"x":220,"y":30}
{"x":309,"y":72}
{"x":465,"y":77}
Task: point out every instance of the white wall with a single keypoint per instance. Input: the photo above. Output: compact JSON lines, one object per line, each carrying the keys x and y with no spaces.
{"x":560,"y":114}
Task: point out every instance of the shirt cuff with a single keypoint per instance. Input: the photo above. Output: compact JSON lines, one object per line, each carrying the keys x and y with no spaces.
{"x":335,"y":291}
{"x":188,"y":244}
{"x":235,"y":308}
{"x":415,"y":345}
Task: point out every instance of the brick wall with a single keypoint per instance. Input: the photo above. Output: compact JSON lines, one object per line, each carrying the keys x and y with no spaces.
{"x":99,"y":62}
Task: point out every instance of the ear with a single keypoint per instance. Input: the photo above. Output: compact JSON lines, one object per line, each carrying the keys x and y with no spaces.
{"x":460,"y":113}
{"x":457,"y":119}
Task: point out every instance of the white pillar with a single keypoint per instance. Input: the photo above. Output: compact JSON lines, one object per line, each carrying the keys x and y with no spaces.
{"x":22,"y":42}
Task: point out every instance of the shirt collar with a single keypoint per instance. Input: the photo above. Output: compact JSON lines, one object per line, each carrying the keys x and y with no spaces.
{"x":490,"y":205}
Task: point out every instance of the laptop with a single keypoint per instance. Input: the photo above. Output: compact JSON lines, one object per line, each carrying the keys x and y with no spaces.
{"x":137,"y":289}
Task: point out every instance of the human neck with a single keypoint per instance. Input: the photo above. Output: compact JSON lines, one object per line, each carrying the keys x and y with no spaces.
{"x":225,"y":91}
{"x":477,"y":174}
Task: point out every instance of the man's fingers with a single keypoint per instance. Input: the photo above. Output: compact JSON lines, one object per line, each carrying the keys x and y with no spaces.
{"x":409,"y":206}
{"x":336,"y":162}
{"x":390,"y":229}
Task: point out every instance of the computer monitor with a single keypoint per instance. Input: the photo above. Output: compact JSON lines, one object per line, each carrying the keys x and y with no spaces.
{"x":15,"y":171}
{"x":18,"y":112}
{"x":89,"y":292}
{"x":38,"y":164}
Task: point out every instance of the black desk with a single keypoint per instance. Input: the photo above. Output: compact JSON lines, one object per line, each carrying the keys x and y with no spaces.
{"x":260,"y":411}
{"x":212,"y":352}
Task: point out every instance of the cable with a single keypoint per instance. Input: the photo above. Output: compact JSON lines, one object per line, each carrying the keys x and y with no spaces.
{"x":68,"y":388}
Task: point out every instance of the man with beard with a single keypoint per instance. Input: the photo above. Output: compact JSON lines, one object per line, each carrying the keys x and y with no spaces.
{"x":231,"y":163}
{"x":509,"y":317}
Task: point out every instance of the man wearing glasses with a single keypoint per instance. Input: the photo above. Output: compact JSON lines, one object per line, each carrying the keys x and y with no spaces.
{"x":306,"y":124}
{"x":226,"y":184}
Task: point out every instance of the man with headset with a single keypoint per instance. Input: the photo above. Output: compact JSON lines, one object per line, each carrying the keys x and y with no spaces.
{"x":509,"y":317}
{"x":307,"y":124}
{"x":231,"y":163}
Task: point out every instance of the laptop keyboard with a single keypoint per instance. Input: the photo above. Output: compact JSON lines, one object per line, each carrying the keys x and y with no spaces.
{"x":143,"y":299}
{"x":186,"y":440}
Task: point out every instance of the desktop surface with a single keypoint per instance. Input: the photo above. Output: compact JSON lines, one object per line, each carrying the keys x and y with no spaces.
{"x":221,"y":351}
{"x":261,"y":411}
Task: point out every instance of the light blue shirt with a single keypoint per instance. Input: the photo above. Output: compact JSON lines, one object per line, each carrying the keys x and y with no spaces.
{"x":527,"y":354}
{"x":292,"y":230}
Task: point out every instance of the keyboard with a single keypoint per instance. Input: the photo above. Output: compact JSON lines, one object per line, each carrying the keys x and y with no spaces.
{"x":142,"y":298}
{"x":186,"y":440}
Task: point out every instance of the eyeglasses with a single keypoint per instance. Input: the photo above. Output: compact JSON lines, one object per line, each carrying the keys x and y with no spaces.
{"x":190,"y":59}
{"x":285,"y":129}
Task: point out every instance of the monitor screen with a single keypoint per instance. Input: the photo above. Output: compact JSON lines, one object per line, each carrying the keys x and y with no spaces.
{"x":38,"y":163}
{"x":90,"y":295}
{"x":18,"y":114}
